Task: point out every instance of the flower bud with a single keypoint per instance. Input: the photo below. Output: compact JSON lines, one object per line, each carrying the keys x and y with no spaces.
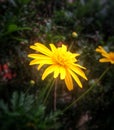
{"x":32,"y":82}
{"x":74,"y":34}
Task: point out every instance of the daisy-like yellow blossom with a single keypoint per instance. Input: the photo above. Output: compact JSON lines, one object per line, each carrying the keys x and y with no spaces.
{"x":107,"y":57}
{"x":60,"y":61}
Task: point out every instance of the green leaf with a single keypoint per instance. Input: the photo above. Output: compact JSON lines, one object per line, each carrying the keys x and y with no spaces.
{"x":14,"y":101}
{"x":12,"y":28}
{"x":28,"y":102}
{"x":3,"y":106}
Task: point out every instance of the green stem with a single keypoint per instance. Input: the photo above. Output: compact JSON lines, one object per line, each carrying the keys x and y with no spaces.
{"x":50,"y":88}
{"x":73,"y":42}
{"x":87,"y":91}
{"x":55,"y":94}
{"x":26,"y":92}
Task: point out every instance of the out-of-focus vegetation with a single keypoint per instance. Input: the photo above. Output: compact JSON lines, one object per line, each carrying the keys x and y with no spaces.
{"x":24,"y":22}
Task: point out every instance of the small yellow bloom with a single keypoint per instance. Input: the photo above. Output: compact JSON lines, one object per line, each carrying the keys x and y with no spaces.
{"x":74,"y":34}
{"x":108,"y":57}
{"x":61,"y":62}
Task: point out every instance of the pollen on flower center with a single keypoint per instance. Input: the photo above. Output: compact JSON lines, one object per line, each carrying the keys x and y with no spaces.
{"x":60,"y":60}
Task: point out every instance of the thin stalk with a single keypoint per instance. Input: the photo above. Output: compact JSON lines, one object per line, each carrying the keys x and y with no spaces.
{"x":73,"y":42}
{"x":55,"y":94}
{"x":50,"y":88}
{"x":87,"y":91}
{"x":26,"y":92}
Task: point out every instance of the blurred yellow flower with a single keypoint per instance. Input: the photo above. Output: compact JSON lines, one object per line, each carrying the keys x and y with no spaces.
{"x":108,"y":57}
{"x":74,"y":34}
{"x":60,"y":61}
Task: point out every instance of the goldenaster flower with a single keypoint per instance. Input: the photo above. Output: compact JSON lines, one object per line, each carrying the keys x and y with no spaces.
{"x":60,"y":61}
{"x":108,"y":57}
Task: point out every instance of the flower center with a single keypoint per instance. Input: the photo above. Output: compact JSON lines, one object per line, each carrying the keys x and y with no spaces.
{"x":60,"y":60}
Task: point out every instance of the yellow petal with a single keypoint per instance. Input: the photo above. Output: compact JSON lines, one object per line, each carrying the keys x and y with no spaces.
{"x":64,"y":48}
{"x":101,"y":50}
{"x":76,"y":78}
{"x":112,"y":62}
{"x":34,"y":62}
{"x":41,"y":61}
{"x":68,"y":81}
{"x":78,"y":71}
{"x":80,"y":66}
{"x":39,"y":66}
{"x":73,"y":54}
{"x":53,"y":48}
{"x":39,"y":56}
{"x":48,"y":70}
{"x":62,"y":73}
{"x":56,"y":71}
{"x":104,"y":60}
{"x":41,"y":48}
{"x":105,"y":55}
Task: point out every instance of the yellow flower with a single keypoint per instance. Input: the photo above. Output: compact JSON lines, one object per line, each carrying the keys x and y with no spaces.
{"x":108,"y":57}
{"x":61,"y":62}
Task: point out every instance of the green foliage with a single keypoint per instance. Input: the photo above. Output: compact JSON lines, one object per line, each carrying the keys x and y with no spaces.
{"x":23,"y":112}
{"x":86,"y":17}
